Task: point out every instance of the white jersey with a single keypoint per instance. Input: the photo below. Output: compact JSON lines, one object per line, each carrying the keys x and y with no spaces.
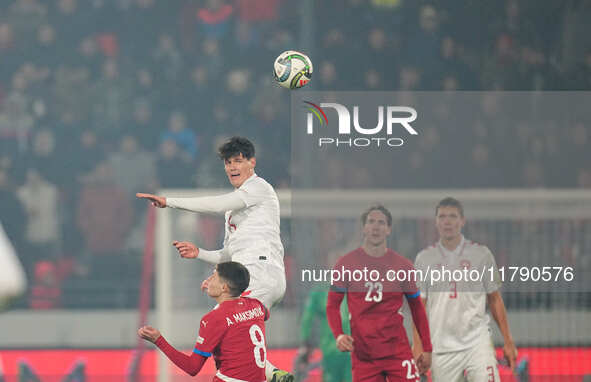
{"x":457,"y":309}
{"x":252,"y":233}
{"x":12,"y":276}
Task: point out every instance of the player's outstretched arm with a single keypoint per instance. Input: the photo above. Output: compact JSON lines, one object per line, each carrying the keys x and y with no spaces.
{"x":208,"y":204}
{"x":157,"y":201}
{"x":189,"y":250}
{"x":499,"y":313}
{"x":189,"y":364}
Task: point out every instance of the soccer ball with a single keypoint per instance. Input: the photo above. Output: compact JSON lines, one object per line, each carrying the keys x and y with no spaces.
{"x":292,"y":69}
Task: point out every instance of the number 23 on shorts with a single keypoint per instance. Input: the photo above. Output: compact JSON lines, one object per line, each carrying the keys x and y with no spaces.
{"x":412,"y":372}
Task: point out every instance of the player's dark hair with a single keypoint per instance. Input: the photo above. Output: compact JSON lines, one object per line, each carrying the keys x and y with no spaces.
{"x":450,"y":202}
{"x":377,"y":207}
{"x":235,"y":275}
{"x":236,"y":146}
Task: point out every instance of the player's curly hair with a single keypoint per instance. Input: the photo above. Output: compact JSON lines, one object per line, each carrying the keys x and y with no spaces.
{"x":236,"y":146}
{"x":450,"y":202}
{"x":235,"y":275}
{"x":377,"y":207}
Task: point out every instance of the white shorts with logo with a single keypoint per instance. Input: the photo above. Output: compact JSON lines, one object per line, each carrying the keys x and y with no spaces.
{"x":476,"y":364}
{"x":267,"y":282}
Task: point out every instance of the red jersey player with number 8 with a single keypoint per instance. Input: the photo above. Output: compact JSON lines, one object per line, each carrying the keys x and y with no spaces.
{"x":379,"y":344}
{"x":233,"y":332}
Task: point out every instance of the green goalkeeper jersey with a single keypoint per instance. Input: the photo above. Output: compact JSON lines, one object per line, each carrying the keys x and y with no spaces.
{"x":314,"y":310}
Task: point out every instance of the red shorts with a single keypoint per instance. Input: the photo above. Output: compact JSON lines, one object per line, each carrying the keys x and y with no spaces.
{"x":385,"y":369}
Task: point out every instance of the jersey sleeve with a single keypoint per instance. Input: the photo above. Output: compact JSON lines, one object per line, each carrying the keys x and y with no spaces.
{"x":339,"y":285}
{"x":253,"y":192}
{"x":211,"y":331}
{"x":333,"y":312}
{"x":491,"y":284}
{"x":336,"y":294}
{"x":208,"y":204}
{"x":409,"y":287}
{"x":421,"y":280}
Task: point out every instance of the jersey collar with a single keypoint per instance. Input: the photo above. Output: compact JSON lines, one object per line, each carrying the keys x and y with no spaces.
{"x":254,"y":175}
{"x":457,"y":252}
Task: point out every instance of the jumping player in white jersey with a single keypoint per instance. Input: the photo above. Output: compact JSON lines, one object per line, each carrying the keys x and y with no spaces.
{"x":459,"y":324}
{"x":252,"y":235}
{"x":12,"y":277}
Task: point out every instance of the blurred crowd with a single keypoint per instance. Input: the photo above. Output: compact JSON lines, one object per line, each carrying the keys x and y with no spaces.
{"x":100,"y":99}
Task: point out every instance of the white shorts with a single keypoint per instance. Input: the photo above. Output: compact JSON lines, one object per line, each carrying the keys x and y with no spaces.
{"x":477,"y":364}
{"x":267,"y":283}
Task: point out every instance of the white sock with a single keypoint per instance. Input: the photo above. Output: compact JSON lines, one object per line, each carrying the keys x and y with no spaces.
{"x":269,"y":371}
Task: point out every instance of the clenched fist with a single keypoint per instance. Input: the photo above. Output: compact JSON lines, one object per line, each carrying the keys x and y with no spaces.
{"x":149,"y":333}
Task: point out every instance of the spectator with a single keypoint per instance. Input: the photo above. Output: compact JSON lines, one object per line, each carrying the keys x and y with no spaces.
{"x":46,"y":289}
{"x":88,"y":152}
{"x":133,"y":168}
{"x":174,"y":169}
{"x":142,"y":124}
{"x":184,"y":137}
{"x":44,"y":157}
{"x":167,"y":58}
{"x":501,"y":70}
{"x":423,"y":46}
{"x":15,"y":121}
{"x":328,"y":76}
{"x":72,"y":93}
{"x":214,"y":19}
{"x":111,"y":100}
{"x":452,"y":72}
{"x":40,"y":200}
{"x":47,"y":48}
{"x":104,"y":216}
{"x":256,"y":11}
{"x":581,"y":75}
{"x":409,"y":78}
{"x":27,"y":16}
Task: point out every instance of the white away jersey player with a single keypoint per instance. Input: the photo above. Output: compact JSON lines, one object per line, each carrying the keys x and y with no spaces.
{"x":457,"y":310}
{"x":252,"y":235}
{"x":252,"y":238}
{"x":253,"y":231}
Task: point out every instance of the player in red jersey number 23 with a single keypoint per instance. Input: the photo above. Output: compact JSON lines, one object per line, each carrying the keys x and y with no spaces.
{"x":378,"y":342}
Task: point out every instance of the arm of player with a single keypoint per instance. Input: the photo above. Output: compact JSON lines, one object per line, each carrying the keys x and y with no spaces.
{"x":208,"y":204}
{"x":333,"y":315}
{"x":420,"y":321}
{"x":189,"y":364}
{"x":499,"y":313}
{"x":417,"y":346}
{"x":189,"y":250}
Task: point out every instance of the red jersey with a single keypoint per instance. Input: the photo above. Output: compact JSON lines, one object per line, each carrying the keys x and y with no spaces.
{"x":234,"y":333}
{"x":376,"y":324}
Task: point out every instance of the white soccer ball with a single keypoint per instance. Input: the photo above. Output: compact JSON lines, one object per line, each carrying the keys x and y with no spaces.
{"x":292,"y":69}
